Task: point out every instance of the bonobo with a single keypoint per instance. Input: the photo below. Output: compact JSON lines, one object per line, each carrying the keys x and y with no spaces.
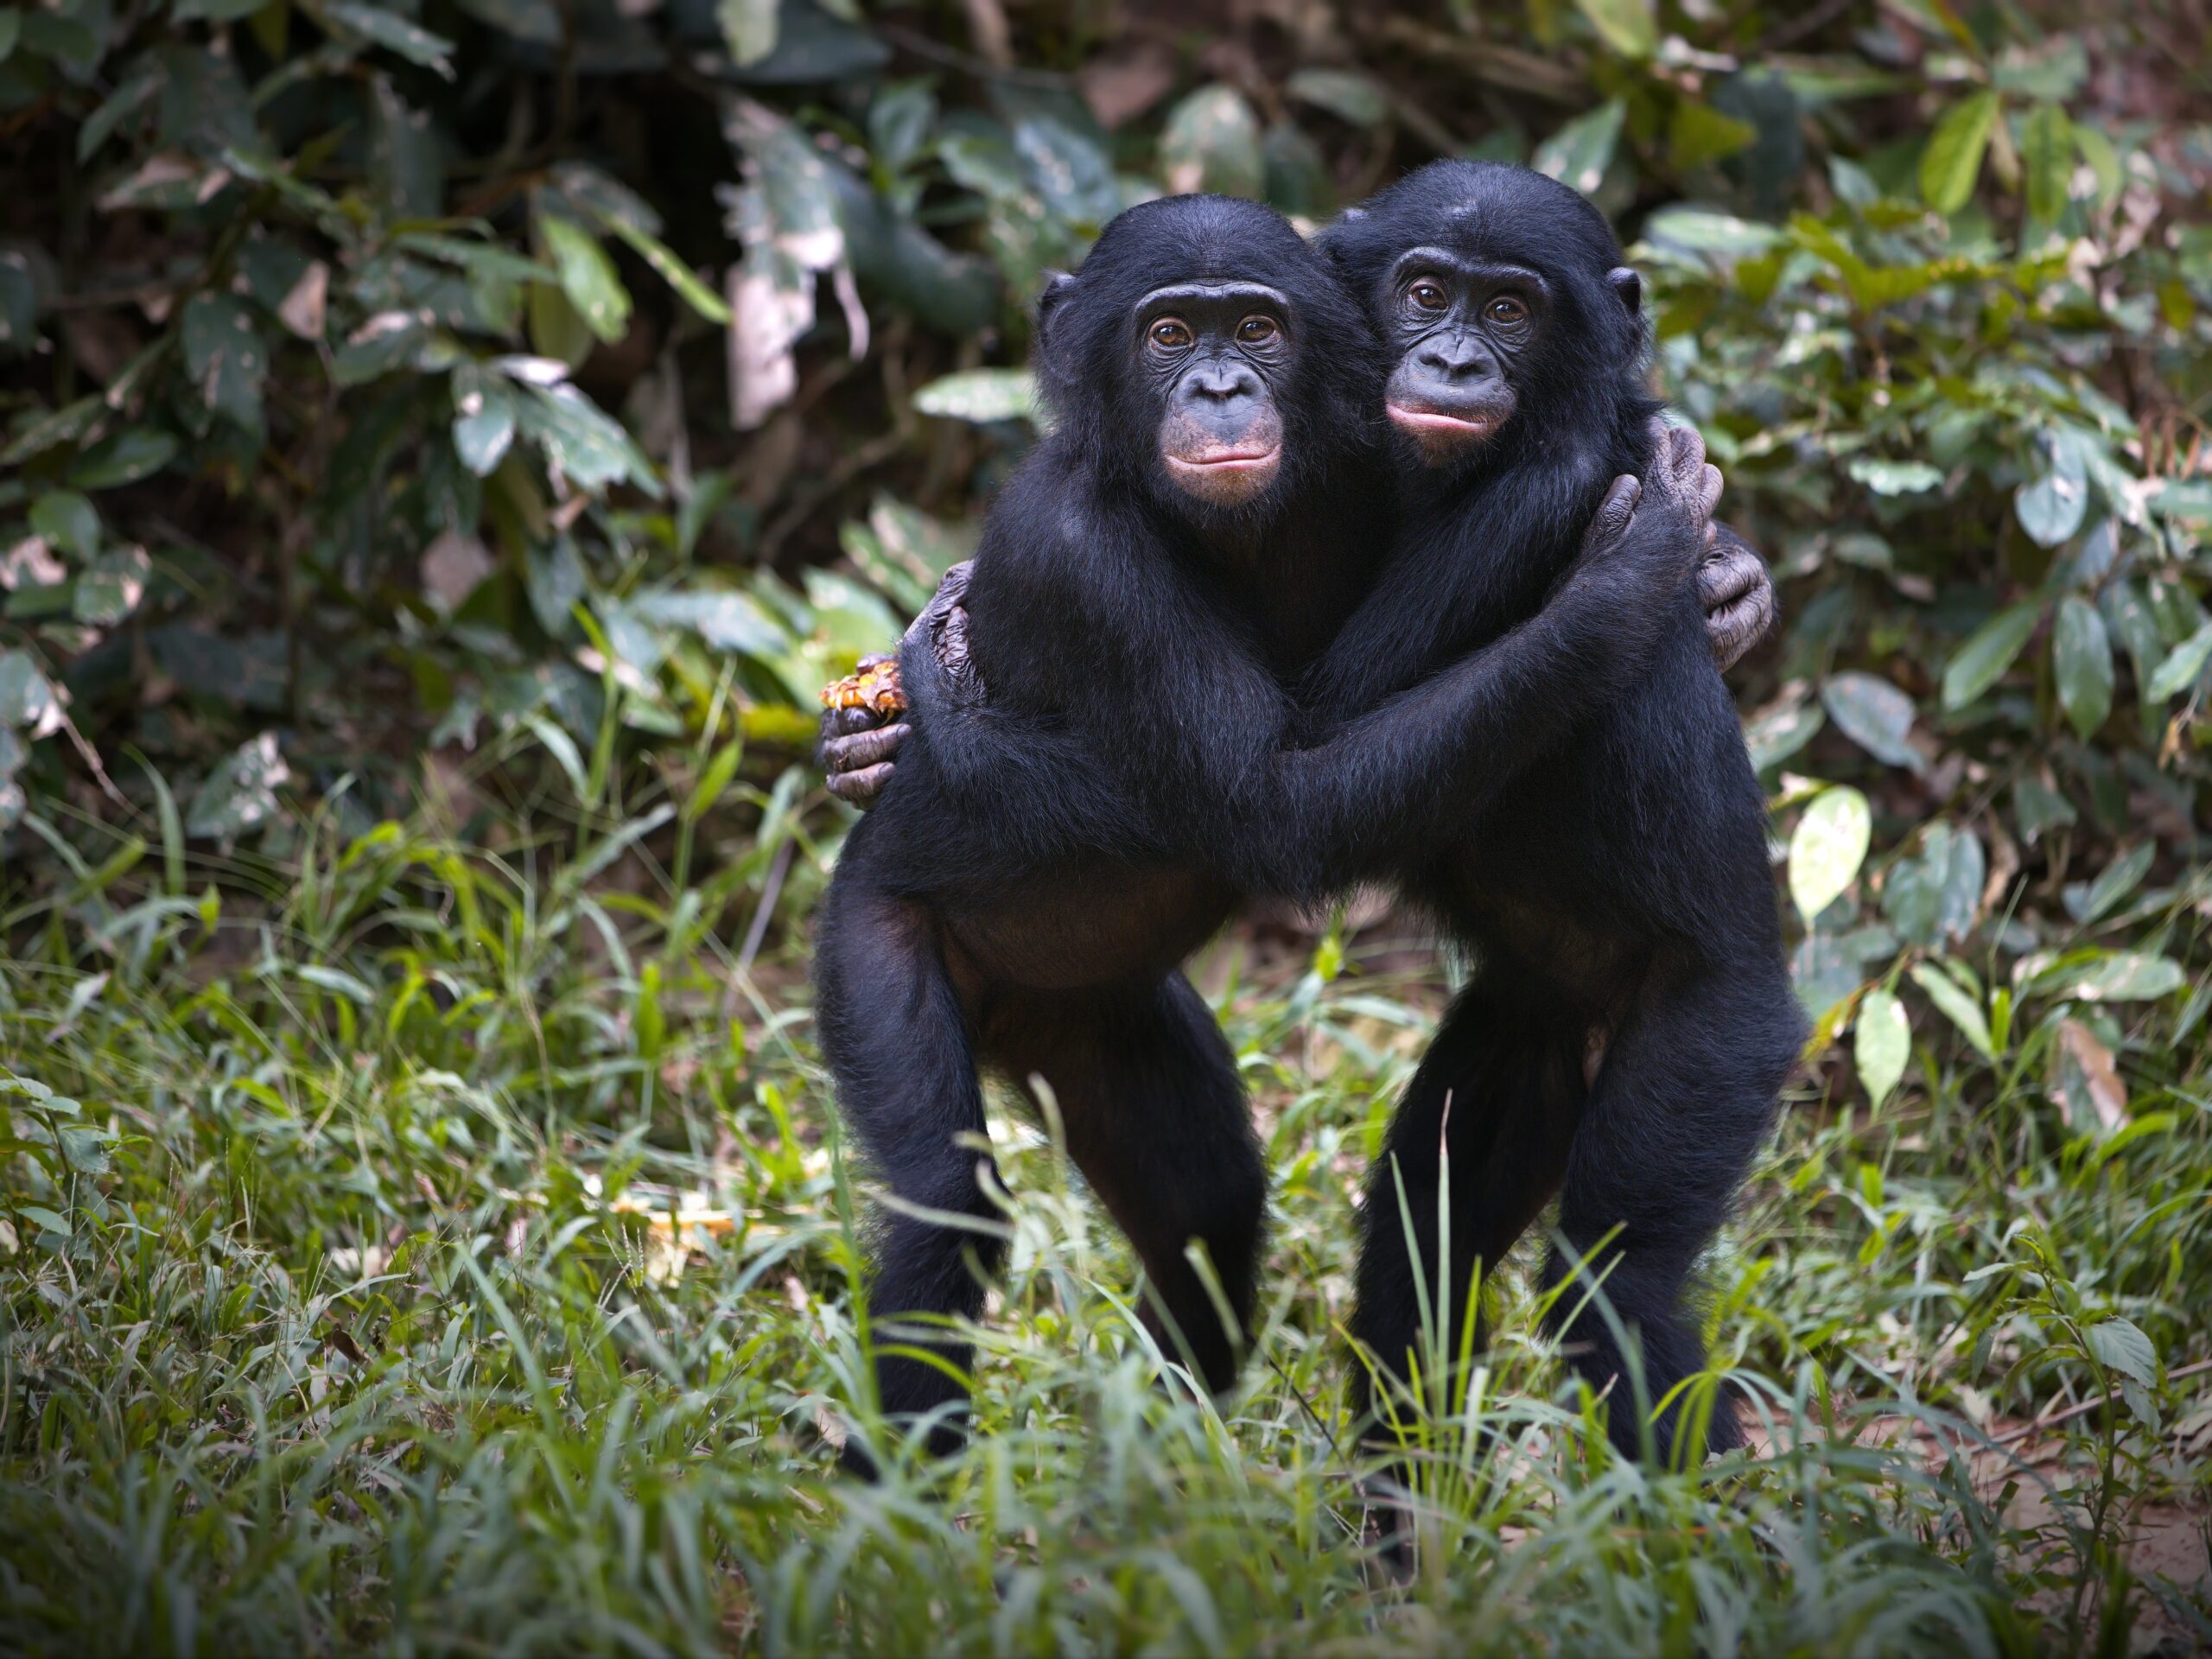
{"x":1147,"y":584}
{"x":1627,"y":884}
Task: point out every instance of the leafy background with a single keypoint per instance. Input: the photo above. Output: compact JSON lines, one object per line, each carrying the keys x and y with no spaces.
{"x":446,"y":445}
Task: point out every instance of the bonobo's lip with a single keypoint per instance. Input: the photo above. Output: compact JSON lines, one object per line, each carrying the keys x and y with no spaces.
{"x":1436,"y":421}
{"x":1229,"y":461}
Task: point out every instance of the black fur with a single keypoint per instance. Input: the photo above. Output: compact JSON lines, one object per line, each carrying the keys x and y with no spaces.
{"x":1041,"y":863}
{"x":1624,"y":886}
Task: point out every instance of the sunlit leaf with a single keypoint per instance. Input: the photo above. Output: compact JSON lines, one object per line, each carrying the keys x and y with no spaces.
{"x":981,"y":395}
{"x":1630,"y":27}
{"x":1579,"y":152}
{"x":1953,"y":1002}
{"x":588,"y":276}
{"x":1881,"y":1043}
{"x":1981,"y":662}
{"x":1826,"y":848}
{"x":1952,"y":160}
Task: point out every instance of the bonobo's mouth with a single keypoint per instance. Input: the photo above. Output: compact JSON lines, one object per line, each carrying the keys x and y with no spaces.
{"x":1435,"y":423}
{"x":1225,"y":475}
{"x":1226,"y":461}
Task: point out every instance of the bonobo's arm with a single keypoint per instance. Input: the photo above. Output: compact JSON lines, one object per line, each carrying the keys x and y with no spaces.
{"x":859,"y":746}
{"x":1439,"y":753}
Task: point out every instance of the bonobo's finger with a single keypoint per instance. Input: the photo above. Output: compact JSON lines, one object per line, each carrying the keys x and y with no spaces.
{"x":951,"y":644}
{"x":844,"y":722}
{"x":860,"y":788}
{"x":1738,"y":595}
{"x":864,"y":749}
{"x":1709,"y":489}
{"x":1611,"y":522}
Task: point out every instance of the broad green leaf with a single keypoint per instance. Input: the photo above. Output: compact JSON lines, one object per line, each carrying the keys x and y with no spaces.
{"x":2182,"y":666}
{"x":26,"y":699}
{"x":1211,"y":142}
{"x":2086,"y":901}
{"x":112,"y":586}
{"x":224,"y":354}
{"x":2051,"y":507}
{"x":748,"y":29}
{"x":67,"y":521}
{"x":588,"y":276}
{"x":240,"y":794}
{"x":1826,"y":848}
{"x":1627,"y":26}
{"x":1873,"y":713}
{"x":484,"y":416}
{"x":136,"y":451}
{"x":1700,"y":230}
{"x":1579,"y":152}
{"x":1961,"y":1010}
{"x":1934,"y":896}
{"x":1698,"y":134}
{"x":982,"y":395}
{"x":1981,"y":662}
{"x":1895,"y":477}
{"x":1883,"y":1043}
{"x":1348,"y":94}
{"x":2046,"y":156}
{"x":581,"y":441}
{"x":394,"y":33}
{"x":1953,"y":159}
{"x":2082,"y":658}
{"x":2119,"y":976}
{"x":2122,"y":1347}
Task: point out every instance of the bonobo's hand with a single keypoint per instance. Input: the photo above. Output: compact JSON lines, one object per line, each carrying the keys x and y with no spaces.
{"x":859,"y":747}
{"x":1738,"y":595}
{"x":1648,"y":533}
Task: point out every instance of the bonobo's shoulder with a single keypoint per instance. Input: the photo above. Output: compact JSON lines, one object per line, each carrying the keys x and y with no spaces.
{"x":1051,"y":521}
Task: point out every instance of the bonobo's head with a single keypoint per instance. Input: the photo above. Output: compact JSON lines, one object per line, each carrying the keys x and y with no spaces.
{"x":1205,"y":354}
{"x":1504,"y":304}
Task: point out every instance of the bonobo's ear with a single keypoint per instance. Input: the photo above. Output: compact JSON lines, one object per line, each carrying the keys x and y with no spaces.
{"x":1630,"y":287}
{"x":1059,"y":286}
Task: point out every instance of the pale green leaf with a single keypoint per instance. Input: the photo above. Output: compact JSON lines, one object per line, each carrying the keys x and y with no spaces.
{"x":1953,"y":159}
{"x":588,"y":276}
{"x":1961,"y":1010}
{"x":1826,"y":848}
{"x":1981,"y":662}
{"x":1883,"y":1043}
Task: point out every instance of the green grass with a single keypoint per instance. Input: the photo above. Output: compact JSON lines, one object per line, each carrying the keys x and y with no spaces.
{"x":327,"y":1328}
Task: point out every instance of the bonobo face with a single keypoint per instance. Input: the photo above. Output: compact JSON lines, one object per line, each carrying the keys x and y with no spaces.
{"x":1467,"y":333}
{"x":1217,"y":355}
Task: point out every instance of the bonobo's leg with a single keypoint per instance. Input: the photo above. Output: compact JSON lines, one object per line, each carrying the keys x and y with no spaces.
{"x":894,"y":1033}
{"x":1156,"y":1120}
{"x":1501,"y":1088}
{"x":1685,"y":1095}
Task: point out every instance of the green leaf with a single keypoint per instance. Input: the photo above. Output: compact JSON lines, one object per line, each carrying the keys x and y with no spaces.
{"x":1952,"y":160}
{"x":26,"y":699}
{"x":239,"y":795}
{"x":2052,"y":508}
{"x":672,"y":270}
{"x":11,"y":30}
{"x":1211,"y":142}
{"x":2082,"y":658}
{"x":1883,"y":1043}
{"x":1347,"y":94}
{"x":112,"y":586}
{"x":1894,"y":477}
{"x":1698,"y":134}
{"x":2183,"y":664}
{"x":1934,"y":897}
{"x":484,"y":416}
{"x":1826,"y":848}
{"x":2047,"y":153}
{"x":67,"y":521}
{"x":748,"y":29}
{"x":224,"y":354}
{"x":1627,"y":26}
{"x":2121,"y":1346}
{"x":18,"y":305}
{"x":2086,"y":901}
{"x":135,"y":452}
{"x":1981,"y":662}
{"x":1875,"y":715}
{"x":588,"y":276}
{"x":1961,"y":1010}
{"x":581,"y":441}
{"x":2111,"y":976}
{"x":1579,"y":152}
{"x":982,"y":395}
{"x":394,"y":33}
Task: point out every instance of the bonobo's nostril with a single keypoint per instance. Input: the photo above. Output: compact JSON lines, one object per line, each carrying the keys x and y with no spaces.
{"x":1220,"y":385}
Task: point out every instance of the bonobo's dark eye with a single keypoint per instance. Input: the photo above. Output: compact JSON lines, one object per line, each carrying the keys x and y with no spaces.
{"x":1257,"y":331}
{"x":1426,"y":293}
{"x":1171,"y":334}
{"x":1506,"y":311}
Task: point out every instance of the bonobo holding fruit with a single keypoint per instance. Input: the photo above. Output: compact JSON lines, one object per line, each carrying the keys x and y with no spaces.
{"x":1148,"y":585}
{"x":1624,"y":889}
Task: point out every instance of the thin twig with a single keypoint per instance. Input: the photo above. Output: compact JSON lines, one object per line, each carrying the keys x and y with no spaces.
{"x":755,"y":934}
{"x":2026,"y":1430}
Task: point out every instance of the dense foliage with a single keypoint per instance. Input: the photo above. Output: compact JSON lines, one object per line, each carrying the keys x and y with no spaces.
{"x":446,"y":443}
